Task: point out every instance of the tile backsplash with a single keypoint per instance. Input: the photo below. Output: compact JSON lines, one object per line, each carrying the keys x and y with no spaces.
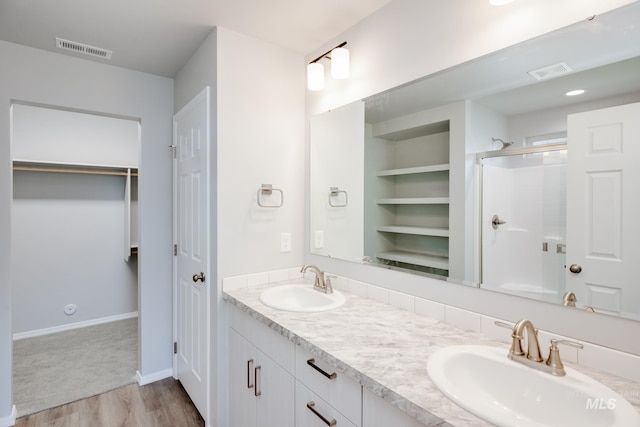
{"x":612,"y":361}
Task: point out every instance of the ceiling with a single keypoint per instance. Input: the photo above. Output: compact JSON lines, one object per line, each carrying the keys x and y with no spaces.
{"x":603,"y":54}
{"x":159,"y":36}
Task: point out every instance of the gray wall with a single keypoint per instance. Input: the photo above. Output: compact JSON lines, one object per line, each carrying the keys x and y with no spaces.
{"x":37,"y":76}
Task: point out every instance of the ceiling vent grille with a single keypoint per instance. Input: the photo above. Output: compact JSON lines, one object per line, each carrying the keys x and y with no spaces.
{"x":82,"y":48}
{"x":550,"y":71}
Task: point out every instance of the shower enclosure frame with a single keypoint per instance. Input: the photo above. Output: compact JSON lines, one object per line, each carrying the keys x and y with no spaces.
{"x":505,"y":152}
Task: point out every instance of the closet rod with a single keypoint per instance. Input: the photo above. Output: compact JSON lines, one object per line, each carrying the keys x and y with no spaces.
{"x":71,"y":170}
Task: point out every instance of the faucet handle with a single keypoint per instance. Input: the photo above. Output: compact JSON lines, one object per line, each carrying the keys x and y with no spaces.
{"x":554,"y":361}
{"x":503,"y":324}
{"x":327,"y":283}
{"x":555,"y":342}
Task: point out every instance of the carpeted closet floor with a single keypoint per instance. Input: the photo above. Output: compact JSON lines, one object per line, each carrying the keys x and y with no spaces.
{"x":59,"y":368}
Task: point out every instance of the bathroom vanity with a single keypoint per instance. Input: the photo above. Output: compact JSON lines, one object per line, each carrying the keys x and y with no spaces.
{"x":376,"y":353}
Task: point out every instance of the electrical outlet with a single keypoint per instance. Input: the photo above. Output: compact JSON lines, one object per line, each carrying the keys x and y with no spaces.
{"x":318,"y":238}
{"x":285,"y":242}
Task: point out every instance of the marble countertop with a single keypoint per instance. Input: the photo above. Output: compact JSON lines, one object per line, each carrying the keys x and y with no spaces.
{"x":385,"y":349}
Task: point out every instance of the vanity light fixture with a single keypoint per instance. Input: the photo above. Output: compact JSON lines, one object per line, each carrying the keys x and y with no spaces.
{"x":339,"y":57}
{"x":575,"y":92}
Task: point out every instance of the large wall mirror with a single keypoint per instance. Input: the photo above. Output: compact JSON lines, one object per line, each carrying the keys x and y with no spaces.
{"x":488,"y":174}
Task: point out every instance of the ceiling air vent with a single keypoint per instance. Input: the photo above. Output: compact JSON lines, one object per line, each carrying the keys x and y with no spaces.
{"x":84,"y":49}
{"x":550,"y":71}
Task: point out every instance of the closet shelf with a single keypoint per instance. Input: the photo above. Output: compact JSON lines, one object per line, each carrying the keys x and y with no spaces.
{"x":414,"y":201}
{"x":419,"y":231}
{"x":419,"y":169}
{"x":414,"y":258}
{"x":24,"y":165}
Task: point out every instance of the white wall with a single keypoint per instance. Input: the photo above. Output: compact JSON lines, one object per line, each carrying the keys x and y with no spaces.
{"x":258,"y":138}
{"x":68,"y":229}
{"x":67,"y":247}
{"x":52,"y":135}
{"x":408,"y":39}
{"x":32,"y":75}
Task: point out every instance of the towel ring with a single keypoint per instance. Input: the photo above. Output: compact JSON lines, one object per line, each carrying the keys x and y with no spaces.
{"x":335,"y":192}
{"x":268,"y":190}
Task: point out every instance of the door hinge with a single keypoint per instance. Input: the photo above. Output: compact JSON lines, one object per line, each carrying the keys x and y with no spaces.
{"x":175,"y":347}
{"x":173,"y":150}
{"x":175,"y":250}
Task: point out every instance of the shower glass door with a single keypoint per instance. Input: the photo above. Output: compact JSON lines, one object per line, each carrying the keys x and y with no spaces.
{"x":524,"y":222}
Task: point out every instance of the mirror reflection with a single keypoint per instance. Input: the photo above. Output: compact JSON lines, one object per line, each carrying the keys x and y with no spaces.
{"x":412,"y":178}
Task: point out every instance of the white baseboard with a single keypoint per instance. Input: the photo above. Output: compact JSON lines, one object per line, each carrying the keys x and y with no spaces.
{"x":11,"y":419}
{"x":67,"y":327}
{"x":151,"y":378}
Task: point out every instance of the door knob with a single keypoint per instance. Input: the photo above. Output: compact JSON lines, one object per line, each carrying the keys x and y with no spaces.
{"x":575,"y":268}
{"x":199,"y":277}
{"x":496,"y":222}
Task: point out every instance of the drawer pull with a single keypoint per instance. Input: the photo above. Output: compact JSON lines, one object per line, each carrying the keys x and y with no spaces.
{"x":311,"y":405}
{"x":312,"y":362}
{"x":256,"y":391}
{"x":249,"y":363}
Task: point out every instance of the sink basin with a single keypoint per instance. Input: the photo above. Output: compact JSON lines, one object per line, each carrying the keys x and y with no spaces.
{"x":486,"y":383}
{"x":298,"y":297}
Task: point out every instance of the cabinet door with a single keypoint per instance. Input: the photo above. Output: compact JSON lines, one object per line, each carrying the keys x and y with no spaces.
{"x":242,"y":364}
{"x":379,"y":413}
{"x":275,"y":389}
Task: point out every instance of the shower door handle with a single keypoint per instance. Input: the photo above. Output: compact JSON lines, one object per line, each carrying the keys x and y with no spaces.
{"x":496,"y":222}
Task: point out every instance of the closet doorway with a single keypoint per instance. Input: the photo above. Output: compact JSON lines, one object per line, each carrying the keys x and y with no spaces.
{"x":74,"y":245}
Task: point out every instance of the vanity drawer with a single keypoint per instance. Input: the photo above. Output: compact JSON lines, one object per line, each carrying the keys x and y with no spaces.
{"x":339,"y":391}
{"x":312,"y":411}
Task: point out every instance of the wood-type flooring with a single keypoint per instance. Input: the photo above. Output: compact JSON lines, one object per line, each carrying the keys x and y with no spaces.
{"x":160,"y":404}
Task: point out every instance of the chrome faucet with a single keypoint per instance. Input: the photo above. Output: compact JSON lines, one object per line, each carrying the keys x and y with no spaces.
{"x":532,"y":358}
{"x":320,"y":284}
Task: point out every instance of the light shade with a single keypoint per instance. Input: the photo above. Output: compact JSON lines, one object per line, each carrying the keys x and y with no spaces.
{"x":340,"y":63}
{"x":315,"y":76}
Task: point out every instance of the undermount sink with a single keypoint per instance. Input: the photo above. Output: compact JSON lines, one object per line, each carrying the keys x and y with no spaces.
{"x":300,"y":297}
{"x":485,"y":382}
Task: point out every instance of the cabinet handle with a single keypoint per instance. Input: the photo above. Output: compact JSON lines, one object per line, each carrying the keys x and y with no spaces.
{"x":311,"y":405}
{"x":249,"y":363}
{"x":256,"y":392}
{"x":312,"y":362}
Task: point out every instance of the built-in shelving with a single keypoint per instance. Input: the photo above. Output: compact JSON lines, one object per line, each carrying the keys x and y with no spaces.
{"x":414,"y":258}
{"x":56,"y":167}
{"x":414,"y":170}
{"x":414,"y":201}
{"x":418,"y":231}
{"x":411,"y":186}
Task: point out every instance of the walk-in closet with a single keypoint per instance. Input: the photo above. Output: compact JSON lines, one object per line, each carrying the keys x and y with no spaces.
{"x":74,"y":267}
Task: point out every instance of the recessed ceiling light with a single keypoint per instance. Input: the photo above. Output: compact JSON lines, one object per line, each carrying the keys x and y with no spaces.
{"x":575,"y":92}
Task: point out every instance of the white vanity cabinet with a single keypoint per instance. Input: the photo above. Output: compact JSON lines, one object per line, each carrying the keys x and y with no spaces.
{"x":323,"y":394}
{"x":378,"y":413}
{"x":261,"y":382}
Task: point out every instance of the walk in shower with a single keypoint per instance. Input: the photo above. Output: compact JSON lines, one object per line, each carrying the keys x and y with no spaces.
{"x":523,"y":206}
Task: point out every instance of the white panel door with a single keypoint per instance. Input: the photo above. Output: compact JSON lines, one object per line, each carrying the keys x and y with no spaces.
{"x":191,"y":138}
{"x":603,"y":207}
